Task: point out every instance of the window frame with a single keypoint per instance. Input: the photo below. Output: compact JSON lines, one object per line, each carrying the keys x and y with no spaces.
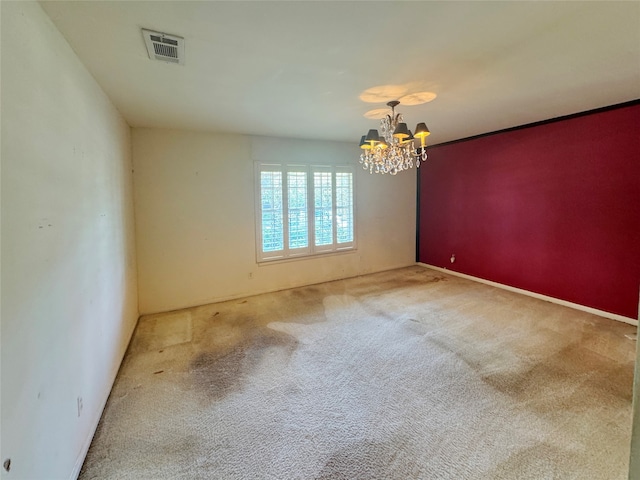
{"x":311,"y":249}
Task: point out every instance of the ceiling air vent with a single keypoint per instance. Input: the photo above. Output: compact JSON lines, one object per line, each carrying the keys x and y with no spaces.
{"x":164,"y":47}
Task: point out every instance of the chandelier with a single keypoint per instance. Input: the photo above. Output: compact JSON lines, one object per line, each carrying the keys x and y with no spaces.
{"x":396,"y":149}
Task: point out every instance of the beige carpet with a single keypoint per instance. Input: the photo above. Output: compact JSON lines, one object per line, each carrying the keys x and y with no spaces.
{"x":408,"y":374}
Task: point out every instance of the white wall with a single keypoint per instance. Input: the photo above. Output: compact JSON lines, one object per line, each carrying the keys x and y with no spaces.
{"x":195,"y":229}
{"x":69,"y":301}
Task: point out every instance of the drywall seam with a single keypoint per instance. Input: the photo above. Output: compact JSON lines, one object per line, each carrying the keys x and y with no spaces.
{"x":577,"y":306}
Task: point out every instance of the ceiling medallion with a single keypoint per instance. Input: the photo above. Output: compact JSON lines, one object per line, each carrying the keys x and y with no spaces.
{"x":397,"y":148}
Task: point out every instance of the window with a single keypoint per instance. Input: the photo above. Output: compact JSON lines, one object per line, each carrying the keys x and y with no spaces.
{"x":303,"y":210}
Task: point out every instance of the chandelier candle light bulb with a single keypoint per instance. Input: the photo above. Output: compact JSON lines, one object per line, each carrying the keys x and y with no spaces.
{"x":397,"y":148}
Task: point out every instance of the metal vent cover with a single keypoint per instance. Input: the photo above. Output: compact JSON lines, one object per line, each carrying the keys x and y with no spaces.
{"x":164,"y":47}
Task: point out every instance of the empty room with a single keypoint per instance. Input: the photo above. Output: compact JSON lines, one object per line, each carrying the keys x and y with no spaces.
{"x":319,"y":240}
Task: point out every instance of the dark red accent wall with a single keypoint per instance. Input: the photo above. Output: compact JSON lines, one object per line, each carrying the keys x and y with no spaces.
{"x":551,"y":208}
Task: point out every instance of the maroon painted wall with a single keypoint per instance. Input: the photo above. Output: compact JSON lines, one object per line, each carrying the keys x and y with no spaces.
{"x":551,"y":208}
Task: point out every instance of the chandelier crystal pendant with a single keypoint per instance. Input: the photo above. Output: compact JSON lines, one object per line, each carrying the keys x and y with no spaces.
{"x":397,"y":148}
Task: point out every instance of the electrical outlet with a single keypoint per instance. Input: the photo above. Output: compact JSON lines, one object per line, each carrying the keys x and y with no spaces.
{"x":79,"y":406}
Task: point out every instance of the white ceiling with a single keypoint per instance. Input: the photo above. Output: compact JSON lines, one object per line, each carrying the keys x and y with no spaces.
{"x":297,"y":69}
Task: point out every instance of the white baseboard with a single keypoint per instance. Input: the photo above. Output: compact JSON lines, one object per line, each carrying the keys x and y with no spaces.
{"x":262,"y":291}
{"x":75,"y":473}
{"x":577,"y":306}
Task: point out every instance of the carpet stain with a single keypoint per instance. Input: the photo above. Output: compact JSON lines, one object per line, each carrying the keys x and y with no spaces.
{"x":415,"y":327}
{"x":397,"y":375}
{"x":223,"y":370}
{"x":412,"y":281}
{"x":547,"y":381}
{"x":365,"y":460}
{"x":307,"y":297}
{"x":534,"y":463}
{"x":181,"y":446}
{"x":435,"y":280}
{"x":565,"y":373}
{"x":306,"y":292}
{"x":521,"y":382}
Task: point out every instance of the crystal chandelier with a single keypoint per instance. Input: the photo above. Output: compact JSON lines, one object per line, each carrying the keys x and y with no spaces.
{"x":396,"y":149}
